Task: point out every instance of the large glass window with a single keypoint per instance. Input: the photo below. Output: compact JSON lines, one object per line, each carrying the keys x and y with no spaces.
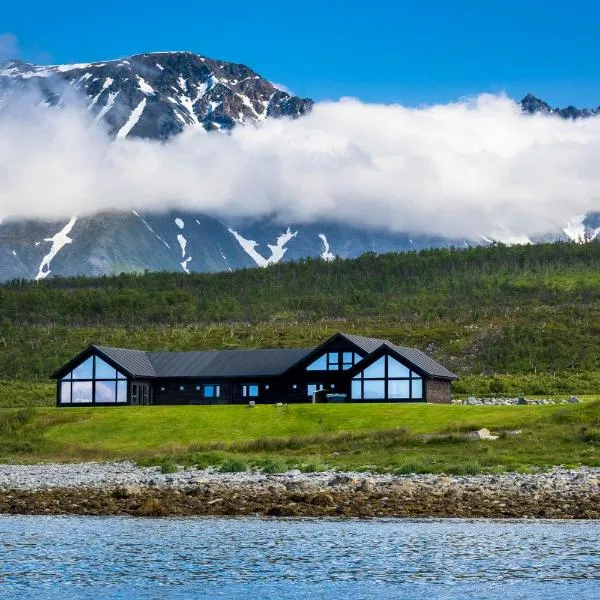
{"x":85,"y":370}
{"x":94,"y":381}
{"x":387,"y":379}
{"x":334,"y":361}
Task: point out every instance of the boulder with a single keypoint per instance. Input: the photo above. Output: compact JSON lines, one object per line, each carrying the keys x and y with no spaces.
{"x":573,"y":400}
{"x":484,"y":434}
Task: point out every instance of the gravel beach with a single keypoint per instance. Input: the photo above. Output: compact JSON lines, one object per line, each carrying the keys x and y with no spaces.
{"x":124,"y":488}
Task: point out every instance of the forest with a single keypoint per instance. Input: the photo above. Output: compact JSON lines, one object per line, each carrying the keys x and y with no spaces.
{"x":507,"y":317}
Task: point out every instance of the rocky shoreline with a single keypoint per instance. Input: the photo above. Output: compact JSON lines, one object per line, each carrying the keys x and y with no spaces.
{"x":125,"y":489}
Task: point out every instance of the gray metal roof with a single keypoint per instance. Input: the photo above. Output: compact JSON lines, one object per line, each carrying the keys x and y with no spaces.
{"x":225,"y":363}
{"x":136,"y":362}
{"x":367,"y":344}
{"x":412,"y":355}
{"x":422,"y":361}
{"x":249,"y":363}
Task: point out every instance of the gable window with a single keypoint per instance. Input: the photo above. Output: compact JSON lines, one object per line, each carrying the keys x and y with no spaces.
{"x":212,"y":390}
{"x":250,"y":390}
{"x":93,"y":381}
{"x":334,"y":361}
{"x":387,"y":379}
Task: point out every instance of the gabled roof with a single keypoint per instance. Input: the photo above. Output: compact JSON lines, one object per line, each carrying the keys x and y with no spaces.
{"x":136,"y":362}
{"x":225,"y":363}
{"x":241,"y":363}
{"x":367,"y":344}
{"x":422,"y":361}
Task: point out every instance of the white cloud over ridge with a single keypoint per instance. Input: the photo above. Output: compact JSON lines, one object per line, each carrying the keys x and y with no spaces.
{"x":471,"y":168}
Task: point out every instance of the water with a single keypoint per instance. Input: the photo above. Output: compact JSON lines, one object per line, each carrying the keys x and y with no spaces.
{"x":90,"y":557}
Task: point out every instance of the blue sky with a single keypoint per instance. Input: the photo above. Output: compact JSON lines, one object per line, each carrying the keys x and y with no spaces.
{"x":379,"y":51}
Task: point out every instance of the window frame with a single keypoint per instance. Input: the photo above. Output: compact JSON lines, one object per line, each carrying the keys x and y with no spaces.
{"x":120,"y":378}
{"x":246,"y":390}
{"x":359,"y":379}
{"x":334,"y":361}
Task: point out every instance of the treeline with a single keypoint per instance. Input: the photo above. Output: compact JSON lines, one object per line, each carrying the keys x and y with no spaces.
{"x":442,"y":283}
{"x":531,"y":310}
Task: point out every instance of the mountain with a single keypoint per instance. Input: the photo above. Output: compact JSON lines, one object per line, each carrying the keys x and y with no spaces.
{"x":531,"y":105}
{"x":157,"y":96}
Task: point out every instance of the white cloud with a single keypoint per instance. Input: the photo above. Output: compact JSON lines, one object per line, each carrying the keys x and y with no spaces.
{"x":283,"y":88}
{"x":471,"y":168}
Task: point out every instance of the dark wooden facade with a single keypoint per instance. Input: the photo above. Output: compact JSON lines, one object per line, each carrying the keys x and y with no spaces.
{"x":345,"y":368}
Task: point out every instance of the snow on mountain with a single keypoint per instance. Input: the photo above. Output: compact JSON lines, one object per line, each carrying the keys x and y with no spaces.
{"x":157,"y":95}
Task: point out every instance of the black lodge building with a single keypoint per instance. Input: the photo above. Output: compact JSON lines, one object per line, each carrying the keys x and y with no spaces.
{"x":345,"y":368}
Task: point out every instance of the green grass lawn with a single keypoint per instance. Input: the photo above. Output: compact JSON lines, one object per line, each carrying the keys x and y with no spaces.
{"x":383,"y":437}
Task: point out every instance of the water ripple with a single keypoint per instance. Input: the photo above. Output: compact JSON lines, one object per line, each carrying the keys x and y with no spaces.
{"x":89,"y":557}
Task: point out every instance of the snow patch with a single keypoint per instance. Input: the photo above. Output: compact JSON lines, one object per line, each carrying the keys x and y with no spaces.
{"x":277,"y":251}
{"x":58,"y":241}
{"x":144,"y":86}
{"x":326,"y":254}
{"x":179,"y":222}
{"x":184,"y":264}
{"x":134,"y":117}
{"x":107,"y":83}
{"x":575,"y":229}
{"x":182,"y":244}
{"x":109,"y":104}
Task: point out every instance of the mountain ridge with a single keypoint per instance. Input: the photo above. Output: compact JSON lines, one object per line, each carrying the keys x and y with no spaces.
{"x":157,"y":96}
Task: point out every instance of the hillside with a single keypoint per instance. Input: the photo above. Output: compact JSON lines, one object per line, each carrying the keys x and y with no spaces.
{"x":400,"y":438}
{"x":525,"y":317}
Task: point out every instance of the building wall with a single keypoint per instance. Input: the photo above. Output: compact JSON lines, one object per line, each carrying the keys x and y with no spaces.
{"x":439,"y":391}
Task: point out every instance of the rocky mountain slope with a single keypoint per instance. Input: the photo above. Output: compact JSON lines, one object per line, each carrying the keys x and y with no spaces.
{"x":157,"y":96}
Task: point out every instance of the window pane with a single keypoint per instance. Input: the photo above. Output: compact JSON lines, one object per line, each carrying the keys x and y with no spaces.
{"x":121,"y":391}
{"x":82,"y":391}
{"x":397,"y":369}
{"x":319,"y":365}
{"x":217,"y":391}
{"x":374,"y":389}
{"x":356,"y":390}
{"x":65,"y":392}
{"x":417,"y":388}
{"x":121,"y":376}
{"x":84,"y":370}
{"x":209,"y":391}
{"x":104,"y":370}
{"x":357,"y":358}
{"x":399,"y":389}
{"x":334,"y":361}
{"x":377,"y":369}
{"x":253,"y":390}
{"x":105,"y":391}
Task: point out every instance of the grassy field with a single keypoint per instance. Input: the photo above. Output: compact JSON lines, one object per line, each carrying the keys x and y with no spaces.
{"x":382,"y":437}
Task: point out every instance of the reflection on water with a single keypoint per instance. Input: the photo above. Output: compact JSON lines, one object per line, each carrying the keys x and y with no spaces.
{"x":88,"y":557}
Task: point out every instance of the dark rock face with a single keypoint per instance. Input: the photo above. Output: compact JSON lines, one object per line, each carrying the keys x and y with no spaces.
{"x":157,"y":95}
{"x":532,"y":105}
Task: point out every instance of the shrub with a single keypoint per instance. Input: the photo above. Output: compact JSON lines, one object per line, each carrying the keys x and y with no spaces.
{"x":272,"y":465}
{"x":233,"y":465}
{"x":592,"y":435}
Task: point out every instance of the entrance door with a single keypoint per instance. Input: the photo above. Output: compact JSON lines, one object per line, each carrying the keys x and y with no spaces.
{"x":141,"y":394}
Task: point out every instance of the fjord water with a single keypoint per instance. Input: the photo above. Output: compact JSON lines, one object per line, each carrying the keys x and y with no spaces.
{"x":97,"y":557}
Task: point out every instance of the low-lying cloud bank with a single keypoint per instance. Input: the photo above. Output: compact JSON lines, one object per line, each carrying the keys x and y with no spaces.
{"x":471,"y":168}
